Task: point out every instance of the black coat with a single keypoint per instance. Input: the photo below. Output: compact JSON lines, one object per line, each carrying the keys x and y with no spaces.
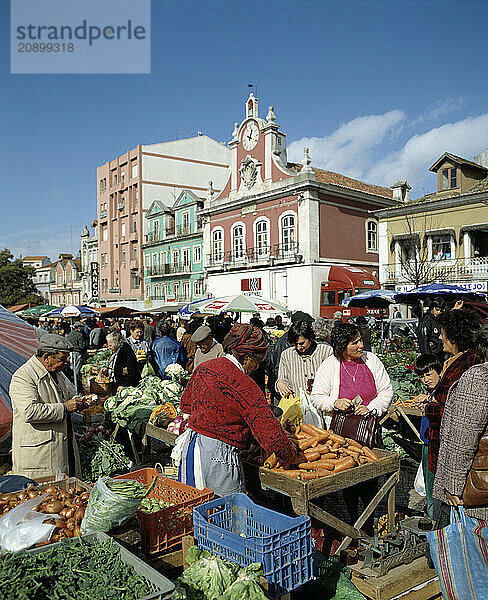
{"x":126,"y":370}
{"x":428,"y":333}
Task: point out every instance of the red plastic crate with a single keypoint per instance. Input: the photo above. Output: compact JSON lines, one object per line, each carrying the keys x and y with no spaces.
{"x":166,"y":528}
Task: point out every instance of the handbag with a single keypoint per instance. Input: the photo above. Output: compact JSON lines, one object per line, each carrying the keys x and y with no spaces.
{"x":476,"y":488}
{"x":361,"y":428}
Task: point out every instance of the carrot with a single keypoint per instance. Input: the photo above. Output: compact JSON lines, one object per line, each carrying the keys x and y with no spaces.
{"x":369,"y":453}
{"x":362,"y":459}
{"x":336,"y":438}
{"x":304,"y":444}
{"x":324,"y":464}
{"x":321,"y":448}
{"x":323,"y":472}
{"x":271,"y":462}
{"x":311,"y":456}
{"x":352,"y":442}
{"x":310,"y":429}
{"x":329,"y":455}
{"x":343,"y":464}
{"x":301,"y":436}
{"x":352,"y":453}
{"x":307,"y":466}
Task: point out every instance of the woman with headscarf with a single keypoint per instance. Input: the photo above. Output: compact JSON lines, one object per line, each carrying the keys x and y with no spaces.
{"x":225,"y":406}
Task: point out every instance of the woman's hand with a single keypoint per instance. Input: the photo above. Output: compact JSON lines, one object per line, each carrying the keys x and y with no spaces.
{"x":343,"y":404}
{"x":283,"y":388}
{"x":361,"y":410}
{"x":453,"y":500}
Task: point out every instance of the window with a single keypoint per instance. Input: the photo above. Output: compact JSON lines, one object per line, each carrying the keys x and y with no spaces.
{"x":449,"y":178}
{"x":101,"y":185}
{"x":175,"y":255}
{"x":198,"y":287}
{"x":288,"y":234}
{"x":104,"y":183}
{"x":176,"y":289}
{"x":135,"y":281}
{"x":342,"y":295}
{"x":122,"y":177}
{"x":59,"y":279}
{"x":105,"y":234}
{"x":134,"y":253}
{"x":68,"y":276}
{"x":185,"y":258}
{"x":186,"y":290}
{"x":217,"y":245}
{"x":135,"y":170}
{"x":372,"y":236}
{"x":115,"y":179}
{"x":147,"y":293}
{"x":155,"y":230}
{"x":134,"y":226}
{"x":441,"y":247}
{"x":122,"y":230}
{"x":328,"y":299}
{"x":122,"y":260}
{"x":197,"y":254}
{"x":262,"y":248}
{"x":238,"y":242}
{"x":186,"y":222}
{"x":136,"y":198}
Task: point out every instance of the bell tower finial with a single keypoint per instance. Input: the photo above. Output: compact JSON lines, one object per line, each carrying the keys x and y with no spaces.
{"x":251,"y":106}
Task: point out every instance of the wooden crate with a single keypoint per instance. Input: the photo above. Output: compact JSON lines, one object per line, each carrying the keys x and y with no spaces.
{"x":412,"y":582}
{"x":388,"y":462}
{"x":161,"y":434}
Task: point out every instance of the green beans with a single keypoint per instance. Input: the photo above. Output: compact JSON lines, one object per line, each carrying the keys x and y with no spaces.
{"x":128,"y":488}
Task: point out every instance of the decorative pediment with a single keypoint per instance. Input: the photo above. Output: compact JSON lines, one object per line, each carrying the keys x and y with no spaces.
{"x":250,"y":172}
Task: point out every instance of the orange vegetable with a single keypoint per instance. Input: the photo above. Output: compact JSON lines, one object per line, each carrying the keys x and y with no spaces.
{"x":343,"y":464}
{"x":369,"y":454}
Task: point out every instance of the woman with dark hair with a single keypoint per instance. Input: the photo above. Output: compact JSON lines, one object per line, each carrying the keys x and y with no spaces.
{"x":188,"y":345}
{"x":459,"y":329}
{"x":464,"y":421}
{"x":299,"y":363}
{"x":122,"y":367}
{"x":225,"y":406}
{"x":352,"y":379}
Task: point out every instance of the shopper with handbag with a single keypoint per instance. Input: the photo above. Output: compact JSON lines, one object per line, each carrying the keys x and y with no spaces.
{"x":353,"y":382}
{"x":462,"y":465}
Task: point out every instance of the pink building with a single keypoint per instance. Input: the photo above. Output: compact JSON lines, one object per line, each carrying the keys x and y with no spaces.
{"x":128,"y":186}
{"x":277,"y":227}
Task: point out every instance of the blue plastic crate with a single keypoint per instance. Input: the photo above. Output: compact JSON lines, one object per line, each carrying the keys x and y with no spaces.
{"x":235,"y":528}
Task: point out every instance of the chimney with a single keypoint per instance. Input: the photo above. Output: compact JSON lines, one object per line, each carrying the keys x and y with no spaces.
{"x":400,"y":191}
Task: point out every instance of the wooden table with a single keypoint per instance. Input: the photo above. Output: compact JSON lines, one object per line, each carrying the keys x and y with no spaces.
{"x":405,"y":412}
{"x":302,"y":493}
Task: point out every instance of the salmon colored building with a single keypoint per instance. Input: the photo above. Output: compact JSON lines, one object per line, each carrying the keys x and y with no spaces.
{"x":277,"y":227}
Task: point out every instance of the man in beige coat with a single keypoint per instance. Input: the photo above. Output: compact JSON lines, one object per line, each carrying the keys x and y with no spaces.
{"x":42,"y":435}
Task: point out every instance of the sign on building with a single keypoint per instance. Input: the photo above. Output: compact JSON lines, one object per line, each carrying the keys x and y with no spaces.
{"x":94,"y":280}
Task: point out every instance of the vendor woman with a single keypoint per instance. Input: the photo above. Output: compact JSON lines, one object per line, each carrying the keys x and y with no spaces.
{"x":225,"y":405}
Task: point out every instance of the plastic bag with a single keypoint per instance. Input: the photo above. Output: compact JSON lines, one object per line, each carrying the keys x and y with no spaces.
{"x":310,"y":414}
{"x":147,"y":370}
{"x":460,"y":556}
{"x":106,"y":509}
{"x":419,"y":483}
{"x":22,"y":527}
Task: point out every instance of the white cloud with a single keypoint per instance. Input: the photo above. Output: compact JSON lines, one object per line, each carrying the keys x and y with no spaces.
{"x":348,"y":148}
{"x":362,"y":148}
{"x":440,"y":109}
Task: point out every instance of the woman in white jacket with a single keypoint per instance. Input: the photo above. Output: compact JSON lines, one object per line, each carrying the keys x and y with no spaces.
{"x":352,"y":379}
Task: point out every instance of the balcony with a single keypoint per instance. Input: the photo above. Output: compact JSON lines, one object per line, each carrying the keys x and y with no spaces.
{"x":157,"y":271}
{"x":153,"y":236}
{"x":455,"y":270}
{"x":260,"y":255}
{"x":176,"y":299}
{"x":103,"y":214}
{"x":182,"y":230}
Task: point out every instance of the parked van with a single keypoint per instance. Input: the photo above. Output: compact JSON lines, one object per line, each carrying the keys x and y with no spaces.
{"x":343,"y":282}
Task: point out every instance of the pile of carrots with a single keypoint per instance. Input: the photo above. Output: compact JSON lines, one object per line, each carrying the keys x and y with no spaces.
{"x":321,"y":453}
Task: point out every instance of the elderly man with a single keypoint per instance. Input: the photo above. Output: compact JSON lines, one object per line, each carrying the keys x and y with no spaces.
{"x":77,"y":339}
{"x":42,"y":436}
{"x":207,"y":347}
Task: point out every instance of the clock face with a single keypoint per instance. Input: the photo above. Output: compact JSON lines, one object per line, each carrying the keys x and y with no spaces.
{"x":250,"y":137}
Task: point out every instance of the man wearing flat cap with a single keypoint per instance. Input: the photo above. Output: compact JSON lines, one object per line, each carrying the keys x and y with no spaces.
{"x":42,"y":435}
{"x":207,"y":347}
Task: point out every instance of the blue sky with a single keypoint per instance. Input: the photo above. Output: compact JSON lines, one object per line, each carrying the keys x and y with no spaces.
{"x":378,"y":90}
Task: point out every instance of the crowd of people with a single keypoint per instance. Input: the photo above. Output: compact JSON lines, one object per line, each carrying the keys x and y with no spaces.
{"x":239,"y":371}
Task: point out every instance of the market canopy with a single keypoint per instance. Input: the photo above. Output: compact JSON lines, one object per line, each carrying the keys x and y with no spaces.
{"x":116,"y":311}
{"x":72,"y":311}
{"x":38,"y":311}
{"x":371,"y":299}
{"x":20,"y":307}
{"x":18,"y":342}
{"x":240,"y":303}
{"x":447,"y":291}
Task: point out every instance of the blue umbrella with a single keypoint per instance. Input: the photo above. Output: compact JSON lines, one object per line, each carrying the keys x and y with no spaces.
{"x":446,"y":290}
{"x":72,"y":311}
{"x":371,"y":299}
{"x":191,"y":308}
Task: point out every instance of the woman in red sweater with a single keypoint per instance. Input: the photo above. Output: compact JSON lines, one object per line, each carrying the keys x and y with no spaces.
{"x":225,"y":406}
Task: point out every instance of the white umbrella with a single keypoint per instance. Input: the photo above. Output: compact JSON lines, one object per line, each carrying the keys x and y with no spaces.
{"x":73,"y":311}
{"x":240,"y":303}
